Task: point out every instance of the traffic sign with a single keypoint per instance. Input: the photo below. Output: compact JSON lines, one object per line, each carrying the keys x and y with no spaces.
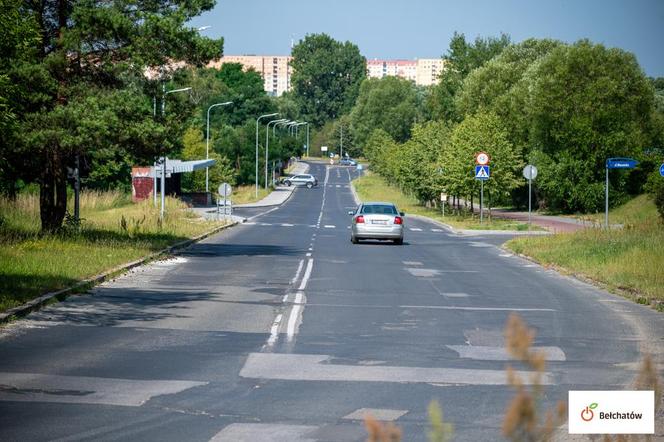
{"x":482,"y":172}
{"x":661,"y":170}
{"x":621,"y":163}
{"x":530,"y":172}
{"x":225,"y":189}
{"x":482,"y":158}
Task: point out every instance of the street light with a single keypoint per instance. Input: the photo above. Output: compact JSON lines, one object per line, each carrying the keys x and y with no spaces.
{"x":283,"y":123}
{"x":290,"y":127}
{"x":207,"y":143}
{"x":163,"y":162}
{"x":297,"y":125}
{"x":267,"y":144}
{"x":257,"y":120}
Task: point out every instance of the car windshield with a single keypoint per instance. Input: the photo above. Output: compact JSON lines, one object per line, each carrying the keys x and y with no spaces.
{"x":379,"y":209}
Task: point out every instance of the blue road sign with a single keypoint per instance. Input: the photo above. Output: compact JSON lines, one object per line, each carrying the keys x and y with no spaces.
{"x":621,"y":163}
{"x":482,"y":173}
{"x":661,"y":170}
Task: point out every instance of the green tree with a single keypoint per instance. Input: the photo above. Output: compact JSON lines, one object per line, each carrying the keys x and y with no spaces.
{"x":586,"y":103}
{"x":326,"y":77}
{"x":89,"y":62}
{"x":461,"y":59}
{"x":194,"y":149}
{"x":481,"y":132}
{"x":389,"y":103}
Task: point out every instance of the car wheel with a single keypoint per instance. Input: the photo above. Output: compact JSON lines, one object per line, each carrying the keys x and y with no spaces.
{"x":354,"y":240}
{"x":398,"y":241}
{"x":309,"y":185}
{"x":288,"y":183}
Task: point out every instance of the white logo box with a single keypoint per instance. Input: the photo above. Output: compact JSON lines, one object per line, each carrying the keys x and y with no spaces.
{"x":611,"y":412}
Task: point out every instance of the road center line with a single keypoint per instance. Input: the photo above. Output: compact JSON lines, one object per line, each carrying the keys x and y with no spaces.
{"x":299,"y":270}
{"x":307,"y":274}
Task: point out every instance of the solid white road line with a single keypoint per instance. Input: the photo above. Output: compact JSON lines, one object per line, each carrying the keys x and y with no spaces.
{"x":297,"y":274}
{"x":295,"y":315}
{"x":274,"y":331}
{"x":307,"y":274}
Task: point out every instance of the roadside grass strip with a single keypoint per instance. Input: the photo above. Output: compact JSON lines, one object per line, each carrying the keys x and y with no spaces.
{"x":373,"y":187}
{"x":628,"y":261}
{"x":113,"y":232}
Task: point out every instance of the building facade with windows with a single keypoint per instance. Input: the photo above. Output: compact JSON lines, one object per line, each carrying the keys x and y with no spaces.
{"x":275,"y":69}
{"x":423,"y":71}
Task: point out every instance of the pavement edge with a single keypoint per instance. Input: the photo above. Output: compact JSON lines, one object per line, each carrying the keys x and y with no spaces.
{"x":85,"y":284}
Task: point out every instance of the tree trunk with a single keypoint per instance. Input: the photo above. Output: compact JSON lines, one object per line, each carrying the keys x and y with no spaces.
{"x":53,"y":192}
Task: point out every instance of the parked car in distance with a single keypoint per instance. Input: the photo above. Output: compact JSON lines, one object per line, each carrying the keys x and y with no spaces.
{"x":301,"y":180}
{"x":347,"y":162}
{"x":377,"y":220}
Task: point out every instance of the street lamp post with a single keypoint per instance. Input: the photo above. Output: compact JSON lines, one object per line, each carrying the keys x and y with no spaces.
{"x":267,"y":144}
{"x":164,"y":92}
{"x":283,"y":123}
{"x":257,"y":120}
{"x":207,"y":144}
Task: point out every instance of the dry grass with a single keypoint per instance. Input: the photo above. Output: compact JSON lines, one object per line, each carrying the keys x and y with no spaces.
{"x":628,"y":260}
{"x":247,"y":194}
{"x":113,"y":231}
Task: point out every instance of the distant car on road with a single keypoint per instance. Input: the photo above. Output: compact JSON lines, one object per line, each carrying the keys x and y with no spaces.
{"x":347,"y":162}
{"x":301,"y":180}
{"x":377,"y":220}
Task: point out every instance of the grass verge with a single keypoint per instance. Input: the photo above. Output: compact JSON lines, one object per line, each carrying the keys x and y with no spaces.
{"x":373,"y":187}
{"x":627,"y":261}
{"x":113,"y":232}
{"x":247,"y":194}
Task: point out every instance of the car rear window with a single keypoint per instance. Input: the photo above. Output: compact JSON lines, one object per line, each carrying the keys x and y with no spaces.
{"x":379,"y":209}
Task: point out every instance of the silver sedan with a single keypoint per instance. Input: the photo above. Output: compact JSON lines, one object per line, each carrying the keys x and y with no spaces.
{"x":377,"y":220}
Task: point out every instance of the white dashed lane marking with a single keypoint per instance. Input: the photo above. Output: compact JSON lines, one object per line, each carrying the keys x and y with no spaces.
{"x":415,"y":229}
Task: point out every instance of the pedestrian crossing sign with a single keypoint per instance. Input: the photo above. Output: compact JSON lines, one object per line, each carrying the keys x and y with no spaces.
{"x":482,"y":172}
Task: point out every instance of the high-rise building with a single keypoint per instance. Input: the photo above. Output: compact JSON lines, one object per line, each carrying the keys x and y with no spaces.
{"x":275,"y":69}
{"x":423,"y":71}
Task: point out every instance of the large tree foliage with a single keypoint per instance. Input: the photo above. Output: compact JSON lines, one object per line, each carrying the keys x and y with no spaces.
{"x":389,"y":103}
{"x":82,"y":88}
{"x":480,"y":132}
{"x":461,"y":59}
{"x":326,"y":77}
{"x":586,"y":103}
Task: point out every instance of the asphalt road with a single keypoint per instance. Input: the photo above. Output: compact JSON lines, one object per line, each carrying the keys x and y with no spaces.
{"x":281,"y":329}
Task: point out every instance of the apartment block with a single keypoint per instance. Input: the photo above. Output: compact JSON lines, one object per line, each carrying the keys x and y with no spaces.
{"x":275,"y":70}
{"x":423,"y":71}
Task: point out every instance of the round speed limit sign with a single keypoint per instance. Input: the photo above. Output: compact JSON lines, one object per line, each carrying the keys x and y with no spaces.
{"x":482,"y":158}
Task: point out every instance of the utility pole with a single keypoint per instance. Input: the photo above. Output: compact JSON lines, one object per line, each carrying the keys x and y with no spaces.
{"x":341,"y":149}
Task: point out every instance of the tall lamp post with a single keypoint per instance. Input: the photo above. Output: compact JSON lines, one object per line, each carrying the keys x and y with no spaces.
{"x":163,"y":160}
{"x":257,"y":120}
{"x":267,"y":144}
{"x":283,"y":123}
{"x":207,"y":144}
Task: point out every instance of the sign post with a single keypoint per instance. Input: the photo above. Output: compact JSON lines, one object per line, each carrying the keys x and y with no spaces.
{"x":529,"y":173}
{"x":224,"y":190}
{"x":614,"y":163}
{"x":443,"y":200}
{"x":482,"y":173}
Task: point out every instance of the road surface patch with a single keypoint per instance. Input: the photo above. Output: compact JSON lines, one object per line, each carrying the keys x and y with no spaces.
{"x":486,"y":353}
{"x":381,"y":414}
{"x":33,"y":387}
{"x":300,"y":367}
{"x":264,"y":433}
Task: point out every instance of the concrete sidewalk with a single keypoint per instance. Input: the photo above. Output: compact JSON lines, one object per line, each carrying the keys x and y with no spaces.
{"x":275,"y":198}
{"x":281,"y":193}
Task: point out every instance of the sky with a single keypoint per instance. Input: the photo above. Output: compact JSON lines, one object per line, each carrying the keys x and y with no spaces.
{"x":409,"y":29}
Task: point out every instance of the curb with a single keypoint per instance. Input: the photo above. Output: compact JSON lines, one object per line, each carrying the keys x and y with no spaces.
{"x":62,"y":294}
{"x":257,"y":206}
{"x":460,"y":231}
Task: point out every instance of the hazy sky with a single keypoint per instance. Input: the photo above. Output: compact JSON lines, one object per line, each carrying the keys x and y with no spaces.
{"x":422,"y":28}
